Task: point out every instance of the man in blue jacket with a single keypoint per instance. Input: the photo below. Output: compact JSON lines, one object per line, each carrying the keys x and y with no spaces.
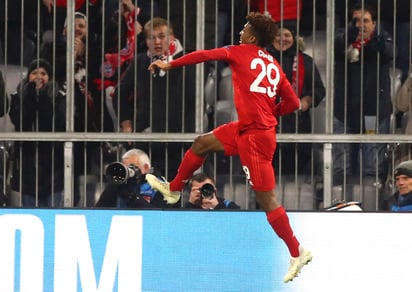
{"x":402,"y":199}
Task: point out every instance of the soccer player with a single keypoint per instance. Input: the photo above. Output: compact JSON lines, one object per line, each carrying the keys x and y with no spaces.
{"x":257,"y":80}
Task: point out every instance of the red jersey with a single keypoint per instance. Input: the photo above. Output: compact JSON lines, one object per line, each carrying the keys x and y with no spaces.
{"x":257,"y":80}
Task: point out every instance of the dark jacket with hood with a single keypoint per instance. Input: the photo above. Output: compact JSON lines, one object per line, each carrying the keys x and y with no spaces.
{"x":38,"y":163}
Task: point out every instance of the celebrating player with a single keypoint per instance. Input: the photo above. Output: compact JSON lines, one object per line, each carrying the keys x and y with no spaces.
{"x":257,"y":80}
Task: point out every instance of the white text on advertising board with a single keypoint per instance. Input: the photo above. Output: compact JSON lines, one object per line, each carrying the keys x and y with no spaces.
{"x":23,"y":236}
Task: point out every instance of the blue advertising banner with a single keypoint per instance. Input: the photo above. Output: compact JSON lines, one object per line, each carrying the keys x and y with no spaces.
{"x":85,"y":250}
{"x":141,"y":250}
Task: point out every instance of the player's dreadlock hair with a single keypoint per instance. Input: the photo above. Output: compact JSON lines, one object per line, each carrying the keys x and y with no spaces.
{"x":263,"y":27}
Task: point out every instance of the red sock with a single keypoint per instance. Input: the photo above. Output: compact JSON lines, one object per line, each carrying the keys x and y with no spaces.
{"x":280,"y":223}
{"x":189,"y":164}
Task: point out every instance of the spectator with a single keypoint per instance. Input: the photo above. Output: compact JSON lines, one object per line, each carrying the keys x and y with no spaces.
{"x":54,"y":50}
{"x":21,"y":31}
{"x":400,"y":29}
{"x":362,"y":99}
{"x":297,"y":13}
{"x":163,"y":102}
{"x":284,"y":12}
{"x":119,"y":50}
{"x":4,"y":101}
{"x":279,"y":10}
{"x":301,"y":72}
{"x":257,"y":80}
{"x":86,"y":104}
{"x":203,"y":194}
{"x":133,"y":192}
{"x":56,"y":11}
{"x":402,"y":199}
{"x":38,"y":105}
{"x":4,"y":155}
{"x":394,"y":19}
{"x":403,"y":103}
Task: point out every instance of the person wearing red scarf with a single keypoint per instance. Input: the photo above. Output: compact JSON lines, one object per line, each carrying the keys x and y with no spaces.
{"x":362,"y":93}
{"x":300,"y":71}
{"x":156,"y":103}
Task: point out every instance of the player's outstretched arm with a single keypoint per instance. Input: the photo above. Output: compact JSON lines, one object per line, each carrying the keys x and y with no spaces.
{"x":159,"y":64}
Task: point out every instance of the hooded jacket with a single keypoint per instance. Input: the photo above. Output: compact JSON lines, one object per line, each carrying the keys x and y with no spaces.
{"x":41,"y":163}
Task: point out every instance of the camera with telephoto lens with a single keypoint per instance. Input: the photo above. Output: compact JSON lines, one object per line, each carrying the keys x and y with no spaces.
{"x":207,"y":191}
{"x":119,"y":173}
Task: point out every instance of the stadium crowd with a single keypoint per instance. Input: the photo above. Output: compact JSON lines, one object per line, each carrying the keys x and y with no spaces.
{"x":114,"y":42}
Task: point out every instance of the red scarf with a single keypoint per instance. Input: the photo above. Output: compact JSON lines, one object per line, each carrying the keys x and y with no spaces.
{"x":298,"y":74}
{"x":358,"y":43}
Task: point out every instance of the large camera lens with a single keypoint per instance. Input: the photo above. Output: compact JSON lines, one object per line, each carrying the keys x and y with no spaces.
{"x":207,"y":191}
{"x":119,"y":173}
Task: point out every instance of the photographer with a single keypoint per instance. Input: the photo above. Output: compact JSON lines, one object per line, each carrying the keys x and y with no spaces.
{"x":203,"y":194}
{"x":128,"y":187}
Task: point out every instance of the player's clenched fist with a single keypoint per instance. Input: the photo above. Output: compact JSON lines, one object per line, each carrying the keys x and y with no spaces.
{"x":159,"y":64}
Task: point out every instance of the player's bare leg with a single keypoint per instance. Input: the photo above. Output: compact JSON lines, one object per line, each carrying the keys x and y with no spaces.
{"x":192,"y":160}
{"x":279,"y":221}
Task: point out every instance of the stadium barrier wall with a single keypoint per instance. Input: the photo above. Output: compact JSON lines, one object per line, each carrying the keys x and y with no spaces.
{"x":146,"y":250}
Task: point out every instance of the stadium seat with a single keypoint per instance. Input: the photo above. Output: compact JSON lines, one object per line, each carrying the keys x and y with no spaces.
{"x":237,"y":190}
{"x":1,"y":53}
{"x":210,"y":88}
{"x":296,"y":193}
{"x":225,"y":85}
{"x":12,"y":75}
{"x":368,"y":193}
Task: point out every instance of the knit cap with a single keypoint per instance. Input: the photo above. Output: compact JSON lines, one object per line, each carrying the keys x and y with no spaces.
{"x":39,"y":63}
{"x":404,"y":168}
{"x":289,"y":25}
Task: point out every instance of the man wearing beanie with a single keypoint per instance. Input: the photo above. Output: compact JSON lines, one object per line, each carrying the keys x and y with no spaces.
{"x":402,"y":199}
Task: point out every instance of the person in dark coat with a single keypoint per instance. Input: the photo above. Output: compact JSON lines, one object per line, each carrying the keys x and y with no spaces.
{"x":38,"y":106}
{"x":304,"y":76}
{"x":362,"y":93}
{"x":87,"y":103}
{"x":163,"y":102}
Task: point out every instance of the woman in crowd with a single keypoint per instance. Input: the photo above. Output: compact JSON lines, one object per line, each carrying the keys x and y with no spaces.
{"x":38,"y":106}
{"x":304,"y":76}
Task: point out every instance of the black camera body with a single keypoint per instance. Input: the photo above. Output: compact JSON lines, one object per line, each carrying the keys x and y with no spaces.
{"x":207,"y":191}
{"x":119,"y":173}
